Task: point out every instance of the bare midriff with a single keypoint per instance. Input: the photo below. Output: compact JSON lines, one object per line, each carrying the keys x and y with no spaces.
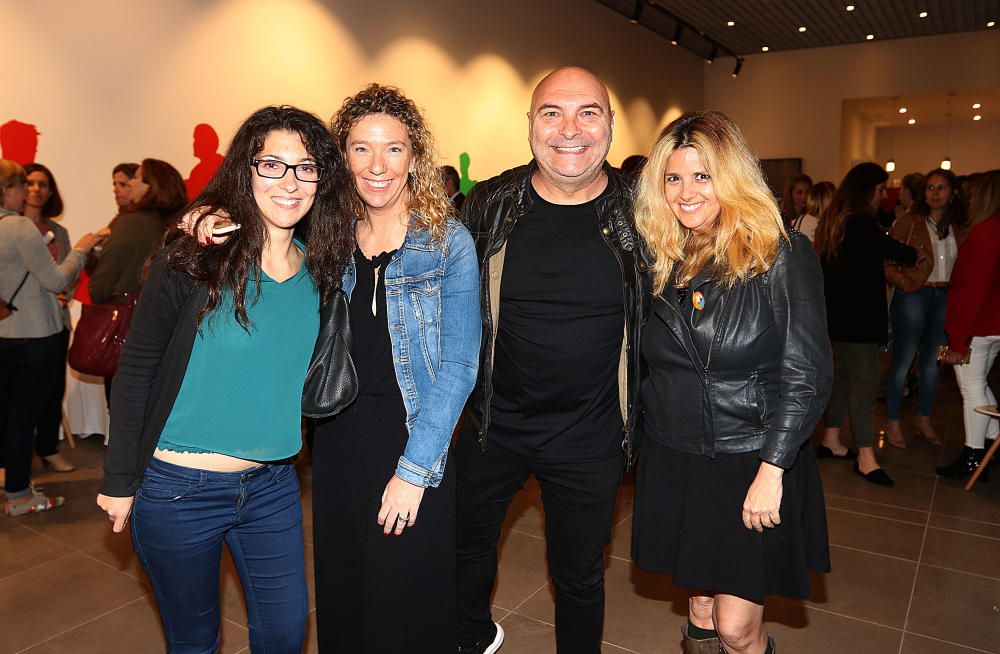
{"x":206,"y":461}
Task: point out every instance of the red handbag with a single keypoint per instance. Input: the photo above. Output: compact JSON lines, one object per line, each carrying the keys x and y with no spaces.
{"x":100,"y":336}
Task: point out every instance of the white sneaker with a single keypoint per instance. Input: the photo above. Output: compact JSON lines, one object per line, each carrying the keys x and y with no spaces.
{"x":483,"y":646}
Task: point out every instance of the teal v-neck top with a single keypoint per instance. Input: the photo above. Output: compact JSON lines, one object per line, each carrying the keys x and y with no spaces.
{"x":242,"y":391}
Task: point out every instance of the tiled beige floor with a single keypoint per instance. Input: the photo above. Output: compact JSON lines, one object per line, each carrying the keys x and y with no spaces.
{"x":916,"y":570}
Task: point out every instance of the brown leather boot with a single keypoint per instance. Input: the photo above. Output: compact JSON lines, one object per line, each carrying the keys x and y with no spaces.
{"x":722,"y":650}
{"x":706,"y":646}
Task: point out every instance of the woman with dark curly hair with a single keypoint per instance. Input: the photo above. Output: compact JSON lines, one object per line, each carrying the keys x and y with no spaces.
{"x":383,"y":486}
{"x":935,"y":226}
{"x":207,"y":402}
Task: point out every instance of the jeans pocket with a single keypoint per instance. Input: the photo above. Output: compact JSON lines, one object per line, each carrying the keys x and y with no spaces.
{"x":155,"y":488}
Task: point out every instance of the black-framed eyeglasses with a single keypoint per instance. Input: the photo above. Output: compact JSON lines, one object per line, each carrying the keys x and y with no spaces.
{"x":274,"y":169}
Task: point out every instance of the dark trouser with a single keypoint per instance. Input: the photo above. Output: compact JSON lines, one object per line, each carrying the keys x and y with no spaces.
{"x":855,"y":388}
{"x":579,"y":501}
{"x":180,"y":520}
{"x":47,"y":432}
{"x":28,"y":369}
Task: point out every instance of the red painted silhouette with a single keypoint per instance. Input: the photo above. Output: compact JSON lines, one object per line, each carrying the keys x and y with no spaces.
{"x":206,"y":150}
{"x":19,"y":141}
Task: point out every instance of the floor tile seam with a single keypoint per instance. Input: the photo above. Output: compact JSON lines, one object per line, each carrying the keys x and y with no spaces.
{"x":872,"y":515}
{"x":965,"y":533}
{"x":243,"y":627}
{"x":622,"y":521}
{"x":109,"y":566}
{"x":891,"y":506}
{"x":882,"y":554}
{"x":960,"y":517}
{"x":524,"y":533}
{"x":852,"y":617}
{"x":48,"y":537}
{"x":38,"y":565}
{"x":949,"y":642}
{"x":549,"y":624}
{"x":84,"y":623}
{"x":962,"y":572}
{"x":528,"y":598}
{"x":911,"y":471}
{"x":920,"y":557}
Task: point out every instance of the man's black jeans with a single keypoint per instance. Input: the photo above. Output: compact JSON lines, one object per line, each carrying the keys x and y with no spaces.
{"x":579,"y":500}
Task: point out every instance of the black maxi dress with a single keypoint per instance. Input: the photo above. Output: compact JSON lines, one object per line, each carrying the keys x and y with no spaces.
{"x":378,"y":594}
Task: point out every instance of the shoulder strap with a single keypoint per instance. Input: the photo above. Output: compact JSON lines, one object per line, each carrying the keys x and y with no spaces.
{"x":10,"y":302}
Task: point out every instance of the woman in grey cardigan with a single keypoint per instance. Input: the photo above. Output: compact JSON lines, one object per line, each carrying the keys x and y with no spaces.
{"x":29,"y":337}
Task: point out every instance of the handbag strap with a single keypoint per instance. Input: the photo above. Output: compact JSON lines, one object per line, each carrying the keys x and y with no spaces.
{"x":10,"y":302}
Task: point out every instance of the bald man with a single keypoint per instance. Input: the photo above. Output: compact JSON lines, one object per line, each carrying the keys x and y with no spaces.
{"x":561,"y":287}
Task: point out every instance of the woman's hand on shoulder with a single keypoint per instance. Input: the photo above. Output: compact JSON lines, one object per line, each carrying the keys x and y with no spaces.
{"x":400,"y":503}
{"x":117,"y":508}
{"x":761,"y":508}
{"x":203,"y":230}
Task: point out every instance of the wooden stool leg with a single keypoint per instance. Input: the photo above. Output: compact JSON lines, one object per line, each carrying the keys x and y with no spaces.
{"x":67,"y":432}
{"x":986,"y":460}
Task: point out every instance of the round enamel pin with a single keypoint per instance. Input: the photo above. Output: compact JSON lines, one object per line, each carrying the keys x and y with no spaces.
{"x":698,"y":300}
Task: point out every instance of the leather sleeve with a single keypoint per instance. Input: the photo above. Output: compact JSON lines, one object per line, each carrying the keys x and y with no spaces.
{"x":796,"y":292}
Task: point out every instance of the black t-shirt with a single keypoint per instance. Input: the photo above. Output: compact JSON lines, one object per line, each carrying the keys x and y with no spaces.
{"x":559,"y":337}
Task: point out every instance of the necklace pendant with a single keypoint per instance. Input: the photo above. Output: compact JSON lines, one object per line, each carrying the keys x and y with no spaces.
{"x":698,"y":300}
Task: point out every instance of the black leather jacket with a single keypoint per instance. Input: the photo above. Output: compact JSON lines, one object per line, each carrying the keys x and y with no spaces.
{"x":490,"y":212}
{"x":751,"y":371}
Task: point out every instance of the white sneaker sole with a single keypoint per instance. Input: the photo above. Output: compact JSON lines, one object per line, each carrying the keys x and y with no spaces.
{"x":497,"y":642}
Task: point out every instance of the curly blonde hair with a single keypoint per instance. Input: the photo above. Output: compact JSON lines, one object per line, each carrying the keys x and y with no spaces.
{"x":744,"y":239}
{"x":428,"y":202}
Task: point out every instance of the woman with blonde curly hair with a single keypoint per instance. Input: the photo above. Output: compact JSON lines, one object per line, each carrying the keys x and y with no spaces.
{"x":739,"y":371}
{"x":413,"y":285}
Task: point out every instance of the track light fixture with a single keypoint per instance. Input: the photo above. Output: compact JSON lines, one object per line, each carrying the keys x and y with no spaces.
{"x":677,"y":33}
{"x":637,"y":12}
{"x":739,"y":65}
{"x":711,"y":55}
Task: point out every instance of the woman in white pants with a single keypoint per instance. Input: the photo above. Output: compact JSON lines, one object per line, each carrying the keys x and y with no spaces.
{"x":973,"y":323}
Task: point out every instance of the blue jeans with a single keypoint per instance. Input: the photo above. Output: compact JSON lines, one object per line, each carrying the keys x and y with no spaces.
{"x":917,"y":323}
{"x":180,"y":520}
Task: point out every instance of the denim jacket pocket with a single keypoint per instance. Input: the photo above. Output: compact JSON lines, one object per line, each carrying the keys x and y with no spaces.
{"x":425,"y":297}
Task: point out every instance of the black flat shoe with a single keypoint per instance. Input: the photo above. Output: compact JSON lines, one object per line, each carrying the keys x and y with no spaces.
{"x":878,"y":476}
{"x":824,"y":452}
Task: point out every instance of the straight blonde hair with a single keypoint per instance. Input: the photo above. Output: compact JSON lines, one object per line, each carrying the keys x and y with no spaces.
{"x":743,"y":242}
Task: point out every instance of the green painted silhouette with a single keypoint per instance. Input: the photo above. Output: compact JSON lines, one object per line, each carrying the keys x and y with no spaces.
{"x":465,"y":184}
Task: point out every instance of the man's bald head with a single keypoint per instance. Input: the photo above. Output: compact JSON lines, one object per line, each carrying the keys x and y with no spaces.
{"x":569,"y":130}
{"x":574,"y":79}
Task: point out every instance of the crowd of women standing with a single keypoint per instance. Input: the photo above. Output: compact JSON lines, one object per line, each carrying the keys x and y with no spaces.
{"x":341,"y":247}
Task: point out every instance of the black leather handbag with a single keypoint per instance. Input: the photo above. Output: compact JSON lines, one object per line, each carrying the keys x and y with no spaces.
{"x":331,"y":381}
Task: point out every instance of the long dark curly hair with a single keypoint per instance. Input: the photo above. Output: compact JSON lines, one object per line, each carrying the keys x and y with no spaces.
{"x":327,"y":229}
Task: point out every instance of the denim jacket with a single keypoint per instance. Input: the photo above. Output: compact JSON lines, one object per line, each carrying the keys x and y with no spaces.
{"x":432,"y":302}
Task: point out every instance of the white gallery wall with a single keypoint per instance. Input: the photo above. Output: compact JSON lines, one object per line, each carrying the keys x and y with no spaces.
{"x":789,"y":103}
{"x":107,"y":81}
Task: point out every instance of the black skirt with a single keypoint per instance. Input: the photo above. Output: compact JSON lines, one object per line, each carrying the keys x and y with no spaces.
{"x":688,"y":523}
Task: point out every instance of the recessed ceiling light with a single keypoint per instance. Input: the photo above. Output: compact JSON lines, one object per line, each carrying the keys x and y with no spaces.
{"x":730,"y":23}
{"x":902,"y":110}
{"x":849,"y":7}
{"x":923,"y":14}
{"x":977,"y":117}
{"x":912,"y":121}
{"x":765,"y":49}
{"x":976,"y":105}
{"x":870,"y":37}
{"x":991,"y":23}
{"x":802,"y":29}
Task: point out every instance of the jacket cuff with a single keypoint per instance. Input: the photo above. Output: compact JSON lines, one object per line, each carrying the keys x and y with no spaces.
{"x":118,"y":485}
{"x":416,"y":475}
{"x":778,"y":456}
